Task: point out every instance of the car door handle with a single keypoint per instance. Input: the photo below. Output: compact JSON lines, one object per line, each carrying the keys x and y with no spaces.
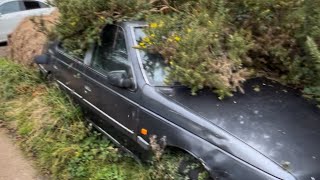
{"x":87,"y":89}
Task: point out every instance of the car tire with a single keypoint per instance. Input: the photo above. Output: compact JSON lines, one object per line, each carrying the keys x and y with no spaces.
{"x":191,"y":168}
{"x":47,"y":77}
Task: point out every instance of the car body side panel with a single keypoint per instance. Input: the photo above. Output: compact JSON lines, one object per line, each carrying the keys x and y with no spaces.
{"x":68,"y":70}
{"x":8,"y":22}
{"x":101,"y":95}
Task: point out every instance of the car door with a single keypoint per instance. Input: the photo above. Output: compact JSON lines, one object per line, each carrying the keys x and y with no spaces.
{"x":112,"y":103}
{"x":10,"y":16}
{"x":68,"y":71}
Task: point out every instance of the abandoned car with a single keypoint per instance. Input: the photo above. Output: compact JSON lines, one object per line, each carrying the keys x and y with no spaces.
{"x":268,"y":134}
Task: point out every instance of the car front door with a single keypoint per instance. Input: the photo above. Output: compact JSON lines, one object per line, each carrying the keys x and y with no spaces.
{"x":112,"y":103}
{"x":68,"y":71}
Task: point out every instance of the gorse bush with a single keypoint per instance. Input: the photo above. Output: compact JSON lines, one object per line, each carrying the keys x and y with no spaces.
{"x":201,"y":50}
{"x":211,"y":43}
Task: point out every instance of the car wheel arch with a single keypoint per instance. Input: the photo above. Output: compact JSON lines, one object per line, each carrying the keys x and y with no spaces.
{"x":174,"y":148}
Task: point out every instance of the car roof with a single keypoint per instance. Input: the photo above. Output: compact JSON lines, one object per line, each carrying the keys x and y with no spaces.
{"x":134,"y":23}
{"x":2,"y":1}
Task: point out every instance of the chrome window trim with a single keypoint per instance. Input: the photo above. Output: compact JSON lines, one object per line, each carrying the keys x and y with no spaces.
{"x":61,"y":51}
{"x":113,"y":120}
{"x":145,"y":77}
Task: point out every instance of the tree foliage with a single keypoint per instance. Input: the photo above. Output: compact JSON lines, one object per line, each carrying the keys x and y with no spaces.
{"x":212,"y":44}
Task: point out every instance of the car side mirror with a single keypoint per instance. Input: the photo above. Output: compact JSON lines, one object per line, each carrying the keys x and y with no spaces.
{"x":41,"y":59}
{"x":120,"y":79}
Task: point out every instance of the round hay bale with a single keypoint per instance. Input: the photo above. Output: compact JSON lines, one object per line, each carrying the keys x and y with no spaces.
{"x":30,"y":38}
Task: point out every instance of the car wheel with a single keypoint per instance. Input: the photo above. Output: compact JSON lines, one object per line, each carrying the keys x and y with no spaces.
{"x":191,"y":168}
{"x":46,"y":77}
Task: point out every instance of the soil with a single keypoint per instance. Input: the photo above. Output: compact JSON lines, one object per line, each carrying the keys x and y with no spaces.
{"x":13,"y":165}
{"x":3,"y":51}
{"x":29,"y":39}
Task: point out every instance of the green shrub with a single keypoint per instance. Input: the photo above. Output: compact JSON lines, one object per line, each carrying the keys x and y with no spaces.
{"x":211,"y":43}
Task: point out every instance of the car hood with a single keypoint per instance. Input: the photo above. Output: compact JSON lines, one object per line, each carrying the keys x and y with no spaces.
{"x":272,"y":119}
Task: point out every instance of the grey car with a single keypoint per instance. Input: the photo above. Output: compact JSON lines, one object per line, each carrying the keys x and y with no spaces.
{"x":268,"y":134}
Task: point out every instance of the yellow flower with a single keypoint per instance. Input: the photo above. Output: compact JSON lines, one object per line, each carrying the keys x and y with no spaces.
{"x":142,"y":44}
{"x":177,"y":38}
{"x":153,"y":25}
{"x":153,"y":35}
{"x":73,"y":23}
{"x":161,"y":24}
{"x":147,"y":40}
{"x":189,"y":30}
{"x":170,"y":40}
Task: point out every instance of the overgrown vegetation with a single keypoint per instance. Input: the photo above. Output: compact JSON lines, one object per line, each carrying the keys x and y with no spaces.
{"x":52,"y":130}
{"x":212,"y":43}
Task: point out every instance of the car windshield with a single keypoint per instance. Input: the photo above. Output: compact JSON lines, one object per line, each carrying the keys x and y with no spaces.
{"x":154,"y":65}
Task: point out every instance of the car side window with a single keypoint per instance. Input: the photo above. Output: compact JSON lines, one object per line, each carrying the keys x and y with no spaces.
{"x":10,"y":7}
{"x":30,"y":5}
{"x":111,"y":54}
{"x":65,"y":50}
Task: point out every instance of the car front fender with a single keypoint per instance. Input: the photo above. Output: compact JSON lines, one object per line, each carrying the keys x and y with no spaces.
{"x":220,"y":164}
